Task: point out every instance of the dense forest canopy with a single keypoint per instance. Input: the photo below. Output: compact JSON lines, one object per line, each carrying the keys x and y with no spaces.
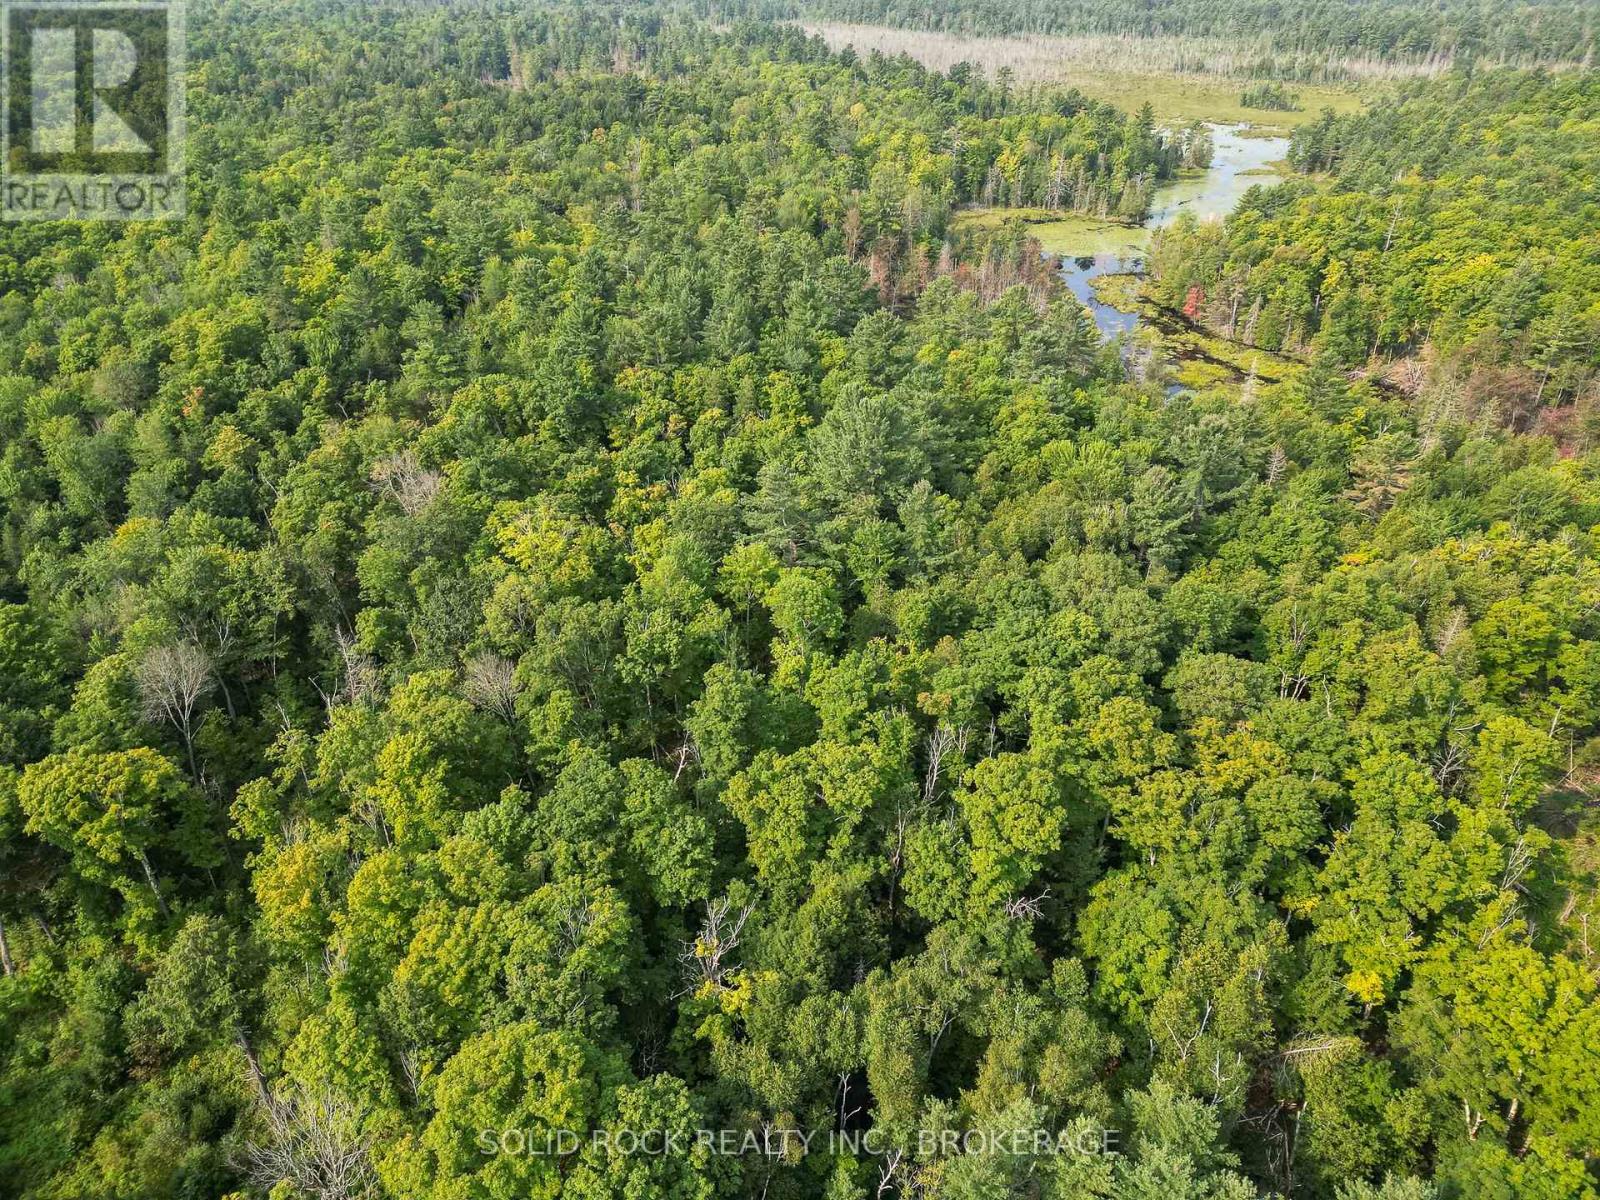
{"x":564,"y":597}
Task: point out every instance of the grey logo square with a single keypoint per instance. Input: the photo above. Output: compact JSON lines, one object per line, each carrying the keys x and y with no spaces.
{"x":93,"y":111}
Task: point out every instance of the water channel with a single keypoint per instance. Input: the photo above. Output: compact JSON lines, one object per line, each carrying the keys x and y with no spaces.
{"x":1238,"y":163}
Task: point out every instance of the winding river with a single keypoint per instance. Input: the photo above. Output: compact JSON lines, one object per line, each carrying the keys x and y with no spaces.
{"x":1238,"y":163}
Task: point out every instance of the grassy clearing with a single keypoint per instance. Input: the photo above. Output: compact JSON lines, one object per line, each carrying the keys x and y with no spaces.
{"x":1200,"y":360}
{"x":1200,"y":376}
{"x":1062,"y":233}
{"x":1126,"y":72}
{"x":1269,"y":130}
{"x":1177,"y":97}
{"x":1218,"y":360}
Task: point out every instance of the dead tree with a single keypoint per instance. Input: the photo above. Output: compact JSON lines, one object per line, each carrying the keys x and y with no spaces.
{"x":316,"y":1144}
{"x":490,"y":683}
{"x":407,"y":482}
{"x":173,"y":680}
{"x":707,"y":959}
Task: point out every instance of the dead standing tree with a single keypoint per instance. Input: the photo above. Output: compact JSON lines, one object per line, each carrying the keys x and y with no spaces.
{"x":316,"y":1143}
{"x":173,"y":680}
{"x":490,"y":683}
{"x":404,"y":479}
{"x":706,"y":960}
